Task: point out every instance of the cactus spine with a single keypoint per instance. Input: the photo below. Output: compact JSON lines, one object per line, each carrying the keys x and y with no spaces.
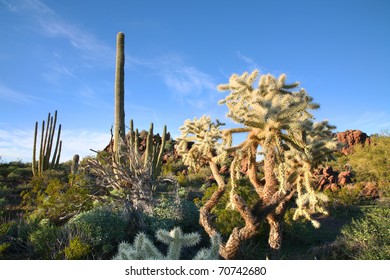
{"x":46,"y":146}
{"x":119,"y":115}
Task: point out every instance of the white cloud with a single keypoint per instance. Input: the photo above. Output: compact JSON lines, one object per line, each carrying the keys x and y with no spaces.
{"x":16,"y":144}
{"x":9,"y":94}
{"x":373,"y":122}
{"x":249,"y":61}
{"x":186,"y":82}
{"x":51,"y":24}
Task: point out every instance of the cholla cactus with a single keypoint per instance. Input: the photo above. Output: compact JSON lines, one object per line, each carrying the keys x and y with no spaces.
{"x":206,"y":135}
{"x":144,"y":249}
{"x":211,"y":253}
{"x":277,"y":120}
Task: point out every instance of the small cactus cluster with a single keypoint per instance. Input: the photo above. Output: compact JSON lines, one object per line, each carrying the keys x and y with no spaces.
{"x":144,"y":249}
{"x":154,"y":148}
{"x":45,"y":151}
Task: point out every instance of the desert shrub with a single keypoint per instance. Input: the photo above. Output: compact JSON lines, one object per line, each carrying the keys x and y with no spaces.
{"x":14,"y":177}
{"x":3,"y":203}
{"x":172,"y":167}
{"x":372,"y":162}
{"x":16,"y":233}
{"x":34,"y":193}
{"x":49,"y":198}
{"x":367,"y":238}
{"x":77,"y":250}
{"x":172,"y":212}
{"x":346,"y":198}
{"x":296,"y":231}
{"x":102,"y":228}
{"x":47,"y":241}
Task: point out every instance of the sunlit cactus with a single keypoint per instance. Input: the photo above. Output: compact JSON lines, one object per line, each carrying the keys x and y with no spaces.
{"x":46,"y":146}
{"x":153,"y":153}
{"x":276,"y":118}
{"x":119,"y":116}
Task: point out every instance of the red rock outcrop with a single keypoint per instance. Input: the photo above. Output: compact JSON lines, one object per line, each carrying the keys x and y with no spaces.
{"x":327,"y":178}
{"x":352,"y":138}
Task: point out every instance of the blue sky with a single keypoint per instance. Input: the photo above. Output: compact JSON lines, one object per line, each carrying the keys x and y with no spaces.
{"x":60,"y":55}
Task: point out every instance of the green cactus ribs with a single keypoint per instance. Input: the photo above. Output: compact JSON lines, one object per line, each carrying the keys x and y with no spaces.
{"x":119,"y":114}
{"x":46,"y":146}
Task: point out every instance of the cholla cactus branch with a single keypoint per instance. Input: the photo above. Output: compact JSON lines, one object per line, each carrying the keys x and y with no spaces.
{"x":176,"y":240}
{"x":144,"y":249}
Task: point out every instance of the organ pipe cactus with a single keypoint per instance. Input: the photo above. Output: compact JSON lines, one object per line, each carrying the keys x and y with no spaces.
{"x":119,"y":115}
{"x":154,"y":148}
{"x":46,"y":146}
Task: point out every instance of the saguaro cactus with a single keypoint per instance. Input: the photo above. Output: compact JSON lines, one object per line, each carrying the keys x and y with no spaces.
{"x":47,"y":138}
{"x":119,"y":115}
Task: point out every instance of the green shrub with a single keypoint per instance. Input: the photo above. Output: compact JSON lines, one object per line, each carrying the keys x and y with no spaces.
{"x":46,"y":241}
{"x":3,"y":249}
{"x":101,"y":228}
{"x":372,"y":162}
{"x":348,"y":196}
{"x":298,"y":231}
{"x":49,"y":198}
{"x":367,"y":238}
{"x":77,"y":250}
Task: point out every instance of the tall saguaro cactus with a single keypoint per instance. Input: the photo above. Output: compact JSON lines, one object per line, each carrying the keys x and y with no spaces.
{"x":46,"y":146}
{"x":119,"y":115}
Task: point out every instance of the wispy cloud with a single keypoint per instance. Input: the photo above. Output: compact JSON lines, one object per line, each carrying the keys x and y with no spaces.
{"x":249,"y":61}
{"x":373,"y":122}
{"x":56,"y":72}
{"x":51,"y":24}
{"x":186,"y":82}
{"x":12,"y":95}
{"x":16,"y":144}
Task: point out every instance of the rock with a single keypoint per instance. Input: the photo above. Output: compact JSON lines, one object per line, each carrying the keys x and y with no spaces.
{"x":344,"y":178}
{"x":370,"y":190}
{"x":332,"y":187}
{"x":351,"y":138}
{"x":328,"y":171}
